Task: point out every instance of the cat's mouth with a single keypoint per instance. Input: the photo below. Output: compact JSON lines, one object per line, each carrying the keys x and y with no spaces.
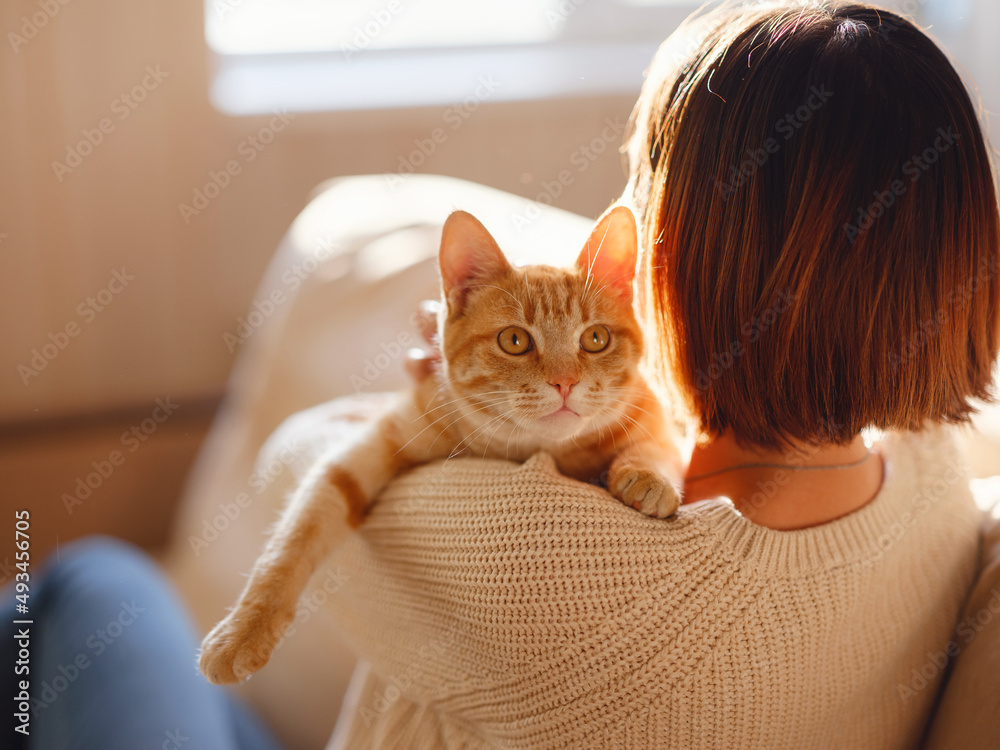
{"x":561,"y":411}
{"x":559,"y":425}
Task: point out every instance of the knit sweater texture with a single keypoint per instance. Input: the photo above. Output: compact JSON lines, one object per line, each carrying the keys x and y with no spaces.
{"x":502,"y":605}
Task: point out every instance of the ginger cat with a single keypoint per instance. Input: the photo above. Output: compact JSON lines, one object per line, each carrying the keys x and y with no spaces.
{"x":533,"y":358}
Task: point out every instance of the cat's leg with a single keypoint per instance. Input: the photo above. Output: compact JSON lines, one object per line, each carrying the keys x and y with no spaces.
{"x":332,"y":498}
{"x":645,"y":476}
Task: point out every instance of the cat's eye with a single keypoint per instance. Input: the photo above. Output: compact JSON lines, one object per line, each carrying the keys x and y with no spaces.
{"x":595,"y":339}
{"x":514,"y":340}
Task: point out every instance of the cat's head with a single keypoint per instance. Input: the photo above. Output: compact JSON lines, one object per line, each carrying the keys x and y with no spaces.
{"x":552,"y":350}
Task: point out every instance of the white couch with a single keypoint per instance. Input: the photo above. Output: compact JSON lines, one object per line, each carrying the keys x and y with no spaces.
{"x":333,"y":316}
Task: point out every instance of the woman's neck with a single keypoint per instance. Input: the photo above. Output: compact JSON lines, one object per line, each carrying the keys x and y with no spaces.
{"x":788,"y":497}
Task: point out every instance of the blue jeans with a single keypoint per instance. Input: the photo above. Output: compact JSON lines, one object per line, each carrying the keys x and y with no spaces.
{"x":113,"y":661}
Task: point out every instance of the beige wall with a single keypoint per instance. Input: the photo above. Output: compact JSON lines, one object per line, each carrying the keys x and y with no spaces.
{"x":62,"y":241}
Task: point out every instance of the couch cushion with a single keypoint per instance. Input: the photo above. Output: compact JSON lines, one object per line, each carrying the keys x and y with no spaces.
{"x":333,"y":318}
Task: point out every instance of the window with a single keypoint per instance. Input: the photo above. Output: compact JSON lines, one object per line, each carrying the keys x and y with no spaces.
{"x":322,"y":55}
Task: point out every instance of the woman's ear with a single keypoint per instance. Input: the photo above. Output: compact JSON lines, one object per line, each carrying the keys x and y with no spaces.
{"x":469,"y":256}
{"x":609,"y":256}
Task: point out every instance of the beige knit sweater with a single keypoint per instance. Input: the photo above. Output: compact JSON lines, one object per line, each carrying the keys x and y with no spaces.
{"x":499,"y":605}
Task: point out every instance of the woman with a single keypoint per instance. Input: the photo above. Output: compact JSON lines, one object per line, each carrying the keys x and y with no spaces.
{"x":821,"y":238}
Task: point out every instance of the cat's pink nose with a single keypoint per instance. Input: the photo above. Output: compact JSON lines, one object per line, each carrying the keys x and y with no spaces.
{"x":564,"y":384}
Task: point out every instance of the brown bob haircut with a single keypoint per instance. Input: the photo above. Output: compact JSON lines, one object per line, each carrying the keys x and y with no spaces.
{"x":818,"y":222}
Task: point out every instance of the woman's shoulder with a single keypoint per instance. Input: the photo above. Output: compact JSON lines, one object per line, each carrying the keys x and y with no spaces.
{"x":526,"y":532}
{"x":533,"y":508}
{"x":496,"y":494}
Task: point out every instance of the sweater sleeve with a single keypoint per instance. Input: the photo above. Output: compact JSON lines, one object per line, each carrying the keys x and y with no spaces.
{"x":531,"y":607}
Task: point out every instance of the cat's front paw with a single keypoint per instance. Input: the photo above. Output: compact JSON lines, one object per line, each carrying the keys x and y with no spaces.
{"x":645,"y":490}
{"x":240,"y":645}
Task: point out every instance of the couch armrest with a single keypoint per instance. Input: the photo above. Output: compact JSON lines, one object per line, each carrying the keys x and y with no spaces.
{"x":968,"y":713}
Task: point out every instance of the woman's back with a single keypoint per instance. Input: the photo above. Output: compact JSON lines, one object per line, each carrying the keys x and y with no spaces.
{"x":540,"y":614}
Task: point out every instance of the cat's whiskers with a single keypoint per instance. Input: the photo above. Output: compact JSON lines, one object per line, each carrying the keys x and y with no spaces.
{"x":464,"y":398}
{"x":441,"y":386}
{"x":631,"y":405}
{"x":575,"y":439}
{"x":499,"y":289}
{"x":470,"y":438}
{"x":503,"y":417}
{"x":442,"y":418}
{"x":509,"y":438}
{"x":628,"y":433}
{"x":479,"y":407}
{"x":593,"y":259}
{"x":510,"y":397}
{"x":496,"y":394}
{"x":614,"y":416}
{"x":504,"y":307}
{"x":624,"y":415}
{"x":521,"y":426}
{"x":641,"y":427}
{"x":610,"y":282}
{"x":513,"y":432}
{"x":495,"y":430}
{"x":462,"y":416}
{"x":625,"y":427}
{"x":426,"y":427}
{"x":600,"y":432}
{"x":632,"y":387}
{"x":634,"y":393}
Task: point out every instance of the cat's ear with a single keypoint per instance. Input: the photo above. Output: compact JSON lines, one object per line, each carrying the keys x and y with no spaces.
{"x":469,"y":256}
{"x":610,"y":253}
